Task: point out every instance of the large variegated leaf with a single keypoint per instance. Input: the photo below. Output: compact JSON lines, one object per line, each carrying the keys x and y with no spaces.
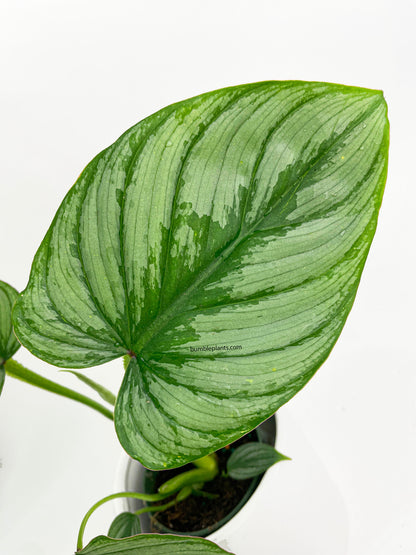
{"x":8,"y":342}
{"x":152,"y":544}
{"x":220,"y":242}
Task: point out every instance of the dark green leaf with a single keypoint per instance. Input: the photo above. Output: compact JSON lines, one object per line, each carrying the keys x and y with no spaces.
{"x":8,"y":342}
{"x":102,"y":391}
{"x":221,"y":241}
{"x":252,"y":459}
{"x":124,"y":526}
{"x":151,"y":544}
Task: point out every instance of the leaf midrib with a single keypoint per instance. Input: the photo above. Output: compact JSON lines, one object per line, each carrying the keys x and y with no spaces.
{"x":162,"y":319}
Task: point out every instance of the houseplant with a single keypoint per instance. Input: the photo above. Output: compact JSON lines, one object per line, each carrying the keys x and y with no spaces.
{"x":218,"y":244}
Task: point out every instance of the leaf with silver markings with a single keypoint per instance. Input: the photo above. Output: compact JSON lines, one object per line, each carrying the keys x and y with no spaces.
{"x":241,"y":217}
{"x":152,"y":544}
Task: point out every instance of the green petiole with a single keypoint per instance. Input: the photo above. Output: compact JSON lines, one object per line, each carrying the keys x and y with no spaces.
{"x":206,"y":471}
{"x":16,"y":370}
{"x":182,"y":494}
{"x":130,"y":494}
{"x":126,"y":361}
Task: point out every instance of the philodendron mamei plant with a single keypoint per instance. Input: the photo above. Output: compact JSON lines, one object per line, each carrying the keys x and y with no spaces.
{"x":217,"y":246}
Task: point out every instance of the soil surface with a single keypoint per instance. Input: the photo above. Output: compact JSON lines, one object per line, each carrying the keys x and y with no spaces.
{"x":196,"y":513}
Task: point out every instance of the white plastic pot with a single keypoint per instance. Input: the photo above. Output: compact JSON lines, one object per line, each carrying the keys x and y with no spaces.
{"x":130,"y":477}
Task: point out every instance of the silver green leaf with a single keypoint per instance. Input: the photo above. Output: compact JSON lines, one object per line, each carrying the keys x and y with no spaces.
{"x":151,"y":544}
{"x":220,"y":243}
{"x":125,"y":525}
{"x":252,"y":459}
{"x":8,"y":342}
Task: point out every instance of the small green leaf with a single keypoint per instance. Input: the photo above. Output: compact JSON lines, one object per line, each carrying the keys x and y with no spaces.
{"x":8,"y":342}
{"x":151,"y":544}
{"x":219,"y":243}
{"x":124,"y":526}
{"x":252,"y":459}
{"x":103,"y":392}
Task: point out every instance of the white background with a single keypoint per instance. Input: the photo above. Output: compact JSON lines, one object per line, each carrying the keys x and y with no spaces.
{"x":76,"y":74}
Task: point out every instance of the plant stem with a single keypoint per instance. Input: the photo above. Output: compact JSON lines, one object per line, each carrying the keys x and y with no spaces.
{"x":182,"y":495}
{"x":16,"y":370}
{"x":209,"y":462}
{"x":155,"y":508}
{"x":131,"y":494}
{"x":207,"y":469}
{"x":102,"y":391}
{"x":126,"y":361}
{"x":202,"y":493}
